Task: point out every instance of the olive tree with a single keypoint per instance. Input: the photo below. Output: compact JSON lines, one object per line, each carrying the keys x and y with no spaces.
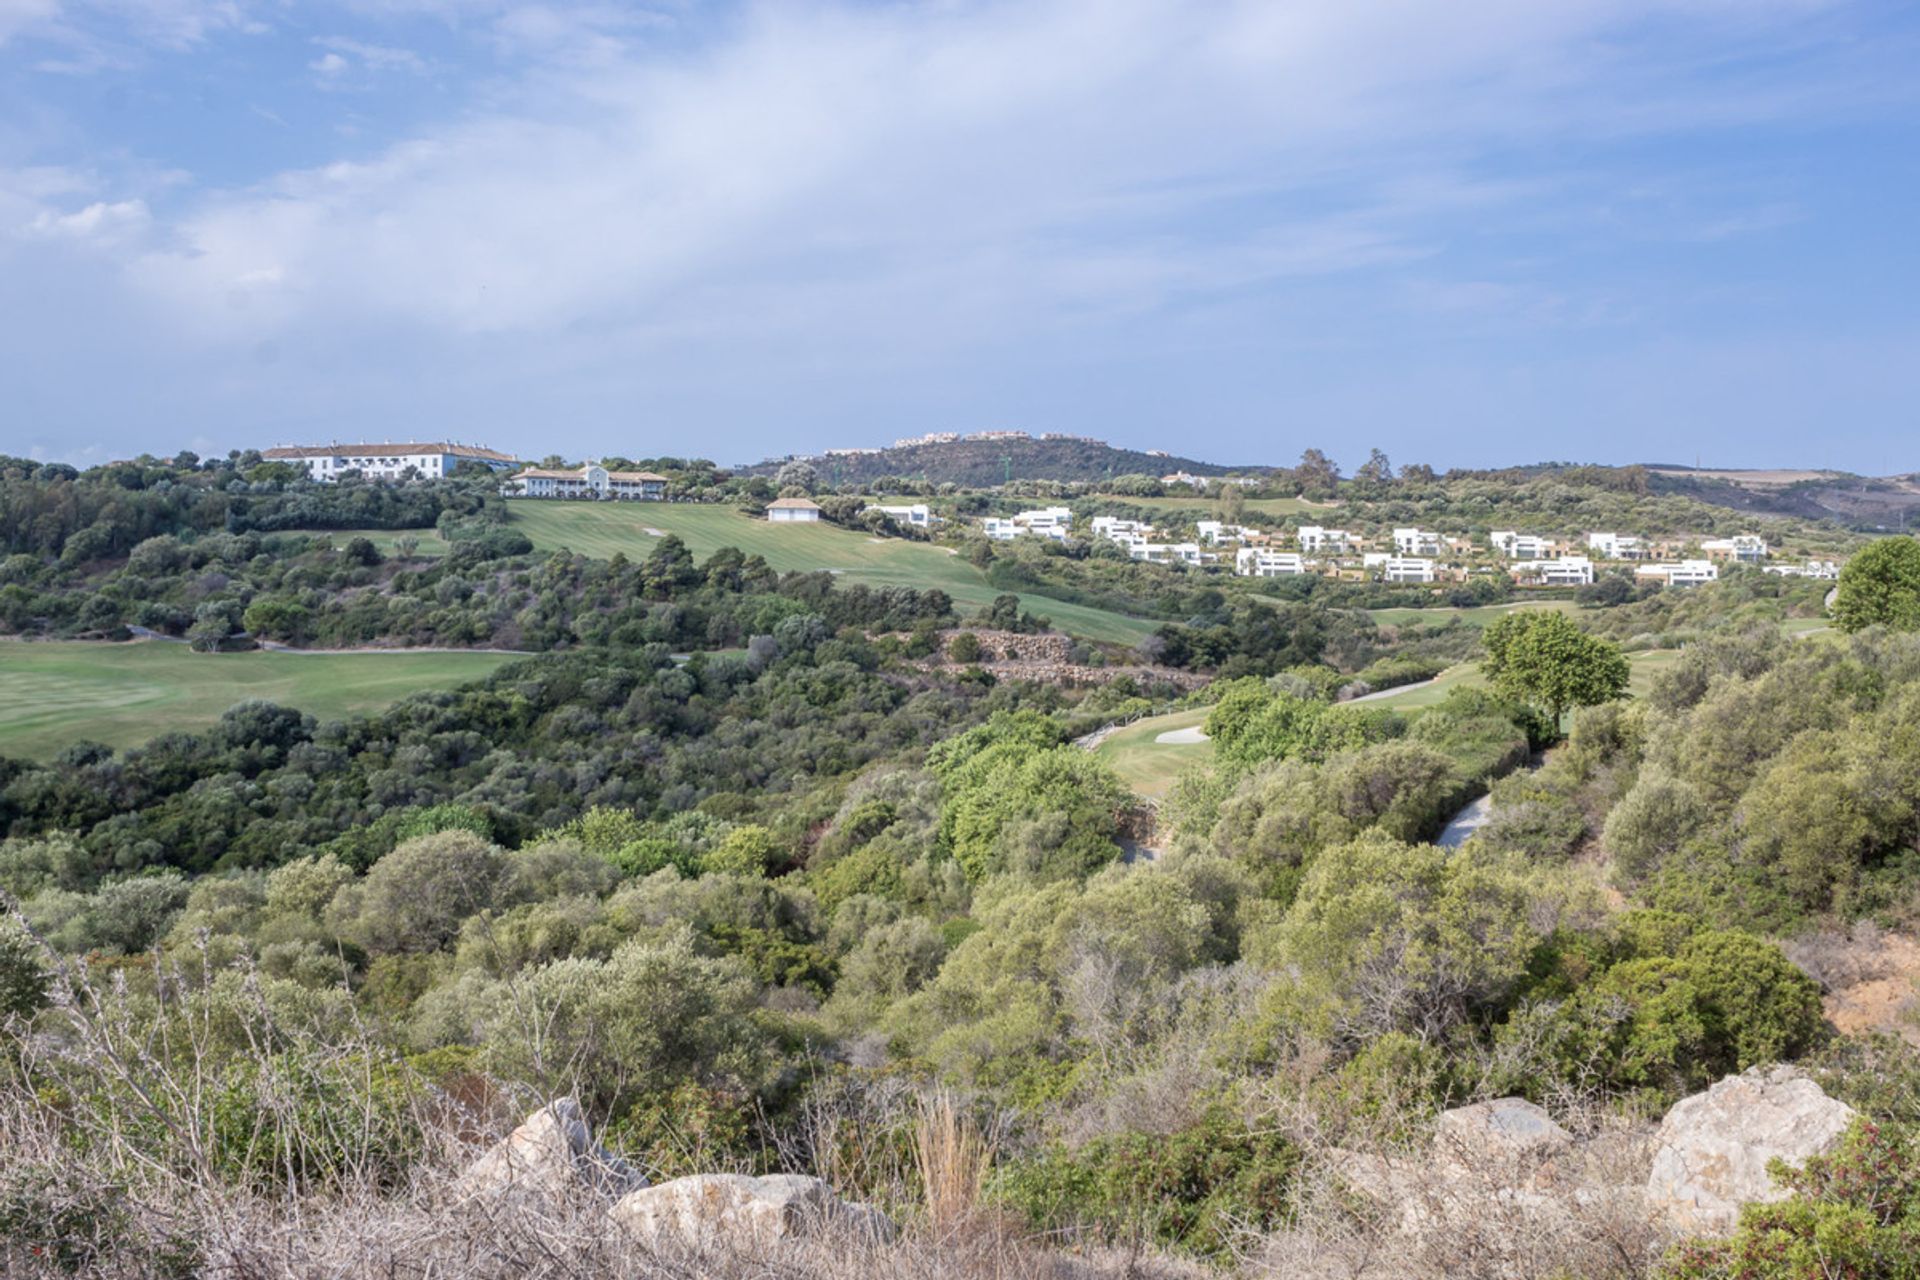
{"x":1541,"y":657}
{"x":1881,"y":587}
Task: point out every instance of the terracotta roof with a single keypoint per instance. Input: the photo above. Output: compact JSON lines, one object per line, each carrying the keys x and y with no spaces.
{"x":356,"y":450}
{"x":793,"y":504}
{"x":636,"y":477}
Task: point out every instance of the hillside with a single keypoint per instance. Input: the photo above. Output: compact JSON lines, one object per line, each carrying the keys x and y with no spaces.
{"x":990,"y":462}
{"x":1860,"y":502}
{"x":606,"y":529}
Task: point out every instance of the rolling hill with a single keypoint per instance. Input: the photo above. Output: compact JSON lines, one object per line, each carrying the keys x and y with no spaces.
{"x":601,"y":529}
{"x":991,"y":462}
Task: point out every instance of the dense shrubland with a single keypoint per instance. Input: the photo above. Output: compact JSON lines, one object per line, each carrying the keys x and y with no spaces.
{"x":266,"y":983}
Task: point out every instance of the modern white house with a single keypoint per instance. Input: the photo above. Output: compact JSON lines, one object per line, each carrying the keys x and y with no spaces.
{"x":431,"y":461}
{"x":1618,"y":546}
{"x":916,"y":515}
{"x":1406,"y":569}
{"x":1811,"y":569}
{"x":591,"y":481}
{"x":1042,"y":522}
{"x":1315,"y":540}
{"x":793,"y":511}
{"x":1215,"y":532}
{"x":1259,"y":562}
{"x":1686,"y":573}
{"x":1202,"y":483}
{"x":1416,"y":542}
{"x":1567,"y":571}
{"x":1114,"y":529}
{"x":1521,"y":546}
{"x":1742,"y":548}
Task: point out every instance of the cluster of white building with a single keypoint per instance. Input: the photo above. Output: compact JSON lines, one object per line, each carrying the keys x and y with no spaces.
{"x":1138,"y":537}
{"x":1041,"y":522}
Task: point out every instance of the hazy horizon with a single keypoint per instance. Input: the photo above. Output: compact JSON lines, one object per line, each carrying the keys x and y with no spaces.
{"x":1607,"y":230}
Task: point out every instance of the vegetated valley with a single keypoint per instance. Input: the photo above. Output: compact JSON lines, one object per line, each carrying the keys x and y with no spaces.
{"x":1065,"y":914}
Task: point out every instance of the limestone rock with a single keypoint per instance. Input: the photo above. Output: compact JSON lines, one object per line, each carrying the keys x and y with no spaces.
{"x":1505,"y":1136}
{"x":552,"y":1154}
{"x":743,"y":1211}
{"x":1712,"y":1150}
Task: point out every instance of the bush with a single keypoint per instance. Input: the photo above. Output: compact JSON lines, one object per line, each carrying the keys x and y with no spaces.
{"x":415,"y":898}
{"x":1671,"y":1024}
{"x":1195,"y":1189}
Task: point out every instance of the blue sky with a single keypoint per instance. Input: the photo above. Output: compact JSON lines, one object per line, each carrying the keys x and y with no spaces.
{"x":1473,"y":233}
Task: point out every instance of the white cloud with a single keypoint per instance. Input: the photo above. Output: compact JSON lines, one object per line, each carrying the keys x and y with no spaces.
{"x":374,"y":57}
{"x":25,"y":15}
{"x":1061,"y":148}
{"x":100,"y":222}
{"x":815,"y":194}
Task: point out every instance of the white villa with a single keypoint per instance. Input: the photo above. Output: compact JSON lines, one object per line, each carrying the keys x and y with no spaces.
{"x":918,"y":515}
{"x":793,"y":511}
{"x":1259,"y":562}
{"x":1811,"y":569}
{"x":1743,"y":548}
{"x":1416,"y":542}
{"x":1314,"y":539}
{"x":1043,"y":522}
{"x":1202,"y":483}
{"x":591,"y":481}
{"x":1215,"y":532}
{"x":1687,"y":573}
{"x":328,"y":462}
{"x":1522,"y":546}
{"x":1125,"y":532}
{"x":1568,"y":571}
{"x":1618,"y":546}
{"x":1406,"y":569}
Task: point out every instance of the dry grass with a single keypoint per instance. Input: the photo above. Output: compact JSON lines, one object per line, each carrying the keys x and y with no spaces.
{"x":952,"y":1159}
{"x":127,"y":1156}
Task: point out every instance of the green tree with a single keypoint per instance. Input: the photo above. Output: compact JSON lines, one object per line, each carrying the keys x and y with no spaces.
{"x":1050,"y":813}
{"x":1386,"y":936}
{"x":1539,"y":656}
{"x":23,"y":977}
{"x":1881,"y":587}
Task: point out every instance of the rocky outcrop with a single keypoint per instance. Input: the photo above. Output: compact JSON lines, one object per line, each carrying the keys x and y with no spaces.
{"x":553,"y":1155}
{"x":742,"y":1211}
{"x":1509,"y":1139}
{"x":1712,"y":1151}
{"x":1047,"y":657}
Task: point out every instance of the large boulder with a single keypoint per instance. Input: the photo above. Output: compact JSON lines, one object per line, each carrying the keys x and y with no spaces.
{"x":1712,"y":1151}
{"x":553,"y":1155}
{"x":733,"y":1210}
{"x":1507,"y":1139}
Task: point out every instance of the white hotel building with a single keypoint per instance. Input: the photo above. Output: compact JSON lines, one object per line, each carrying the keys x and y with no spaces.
{"x":431,"y":461}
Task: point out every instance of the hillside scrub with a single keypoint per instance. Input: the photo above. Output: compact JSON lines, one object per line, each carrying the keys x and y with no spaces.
{"x":808,"y":906}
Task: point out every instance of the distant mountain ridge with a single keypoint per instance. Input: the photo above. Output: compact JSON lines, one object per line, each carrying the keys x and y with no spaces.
{"x":1859,"y":502}
{"x":979,"y":462}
